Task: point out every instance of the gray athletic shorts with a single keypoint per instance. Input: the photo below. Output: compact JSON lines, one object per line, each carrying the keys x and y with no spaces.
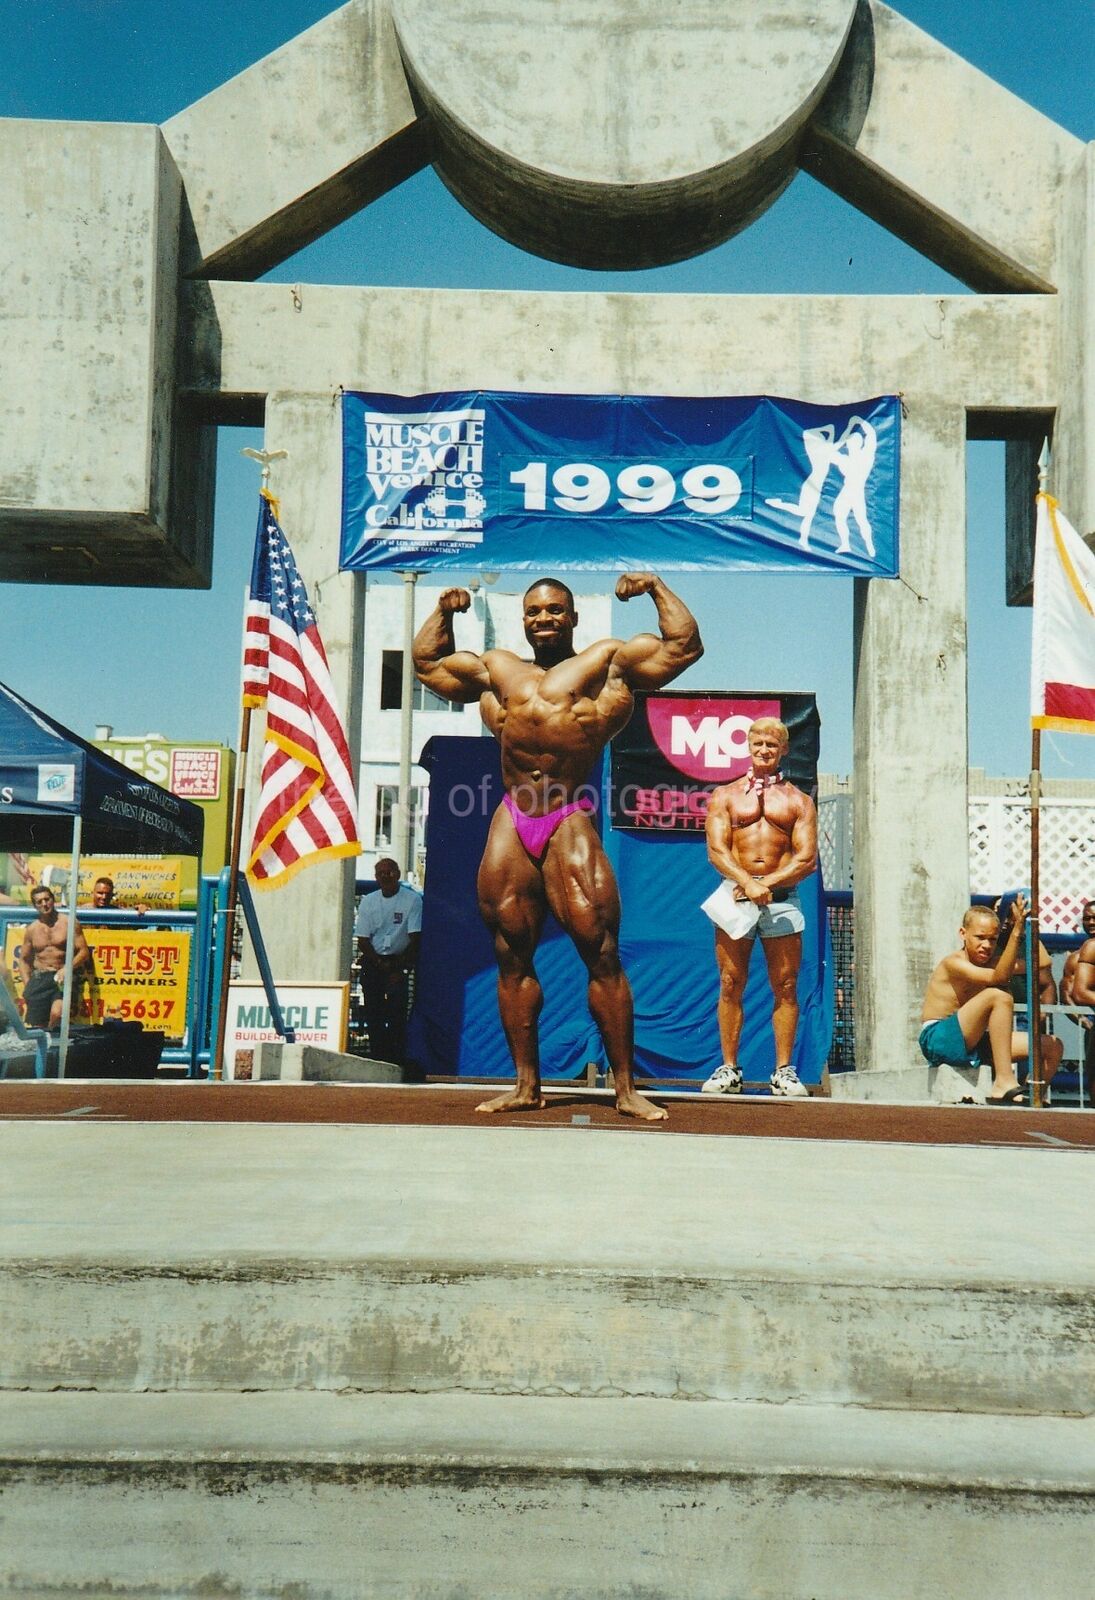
{"x":741,"y":919}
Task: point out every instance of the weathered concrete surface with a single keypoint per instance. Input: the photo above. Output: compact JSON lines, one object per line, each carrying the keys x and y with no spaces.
{"x":910,"y":743}
{"x":624,"y":133}
{"x":296,"y":144}
{"x":944,"y":157}
{"x":440,"y":1325}
{"x":1072,"y":476}
{"x":911,"y":1085}
{"x":890,"y":1085}
{"x":311,"y":1063}
{"x":988,"y":353}
{"x":87,"y":340}
{"x":333,"y":1498}
{"x":432,"y":1259}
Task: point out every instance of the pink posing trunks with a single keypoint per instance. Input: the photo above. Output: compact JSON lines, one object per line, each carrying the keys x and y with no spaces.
{"x":535,"y":832}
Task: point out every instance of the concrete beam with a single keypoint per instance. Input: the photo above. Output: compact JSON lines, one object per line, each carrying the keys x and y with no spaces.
{"x":296,"y":144}
{"x":939,"y":154}
{"x":88,"y":256}
{"x":622,"y":133}
{"x":995,"y":353}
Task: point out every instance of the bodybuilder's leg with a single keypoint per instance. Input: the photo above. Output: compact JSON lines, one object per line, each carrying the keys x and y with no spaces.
{"x":732,"y":959}
{"x":511,"y":902}
{"x":784,"y":957}
{"x":582,"y":893}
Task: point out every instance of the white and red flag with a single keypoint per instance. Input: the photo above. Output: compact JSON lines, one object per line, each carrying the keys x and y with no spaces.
{"x":307,"y":807}
{"x":1062,"y":674}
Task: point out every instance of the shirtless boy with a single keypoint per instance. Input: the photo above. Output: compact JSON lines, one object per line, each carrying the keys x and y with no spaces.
{"x":553,"y":716}
{"x":967,"y":997}
{"x":762,"y":838}
{"x":42,"y":960}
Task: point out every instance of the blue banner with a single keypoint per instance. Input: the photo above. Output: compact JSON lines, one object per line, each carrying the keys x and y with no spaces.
{"x":554,"y":482}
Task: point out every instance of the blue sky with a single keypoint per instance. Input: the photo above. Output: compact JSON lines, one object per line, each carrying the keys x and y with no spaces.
{"x":152,"y":659}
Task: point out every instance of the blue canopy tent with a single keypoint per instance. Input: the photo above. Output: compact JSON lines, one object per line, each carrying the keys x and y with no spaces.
{"x":57,"y":792}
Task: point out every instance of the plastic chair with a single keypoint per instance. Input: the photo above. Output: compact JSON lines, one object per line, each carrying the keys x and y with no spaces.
{"x":36,"y":1036}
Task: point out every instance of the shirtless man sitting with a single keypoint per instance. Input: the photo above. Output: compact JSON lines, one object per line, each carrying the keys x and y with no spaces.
{"x":1078,"y":988}
{"x":967,"y":997}
{"x":42,"y":960}
{"x":762,"y":838}
{"x":553,"y":716}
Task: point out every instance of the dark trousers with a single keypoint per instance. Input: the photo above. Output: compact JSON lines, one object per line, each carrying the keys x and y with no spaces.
{"x":385,"y":997}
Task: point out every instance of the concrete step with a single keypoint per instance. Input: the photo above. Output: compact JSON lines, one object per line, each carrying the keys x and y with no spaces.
{"x":423,"y":1260}
{"x":327,"y":1497}
{"x":524,"y":1329}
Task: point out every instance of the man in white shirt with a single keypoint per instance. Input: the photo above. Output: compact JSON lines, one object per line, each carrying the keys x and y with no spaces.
{"x":388,"y":929}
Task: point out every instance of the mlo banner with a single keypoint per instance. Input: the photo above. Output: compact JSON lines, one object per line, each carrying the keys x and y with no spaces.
{"x":541,"y":483}
{"x":678,"y":747}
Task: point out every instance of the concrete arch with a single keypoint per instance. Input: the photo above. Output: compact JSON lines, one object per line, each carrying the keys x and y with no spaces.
{"x":619,"y":135}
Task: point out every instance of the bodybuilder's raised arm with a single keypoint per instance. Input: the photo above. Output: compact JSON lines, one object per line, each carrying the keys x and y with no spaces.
{"x":647,"y":662}
{"x":454,"y":674}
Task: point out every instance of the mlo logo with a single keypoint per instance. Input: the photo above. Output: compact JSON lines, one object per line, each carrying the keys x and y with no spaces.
{"x":705,"y":737}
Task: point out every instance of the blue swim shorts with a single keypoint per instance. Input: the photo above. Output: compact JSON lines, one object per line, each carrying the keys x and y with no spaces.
{"x":943,"y":1043}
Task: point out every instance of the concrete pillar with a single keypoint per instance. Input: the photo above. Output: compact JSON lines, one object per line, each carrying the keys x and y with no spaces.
{"x":1072,"y":475}
{"x":911,"y":882}
{"x":307,"y":924}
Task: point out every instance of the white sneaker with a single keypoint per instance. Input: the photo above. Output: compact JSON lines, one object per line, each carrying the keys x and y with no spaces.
{"x":787,"y":1084}
{"x":724,"y":1080}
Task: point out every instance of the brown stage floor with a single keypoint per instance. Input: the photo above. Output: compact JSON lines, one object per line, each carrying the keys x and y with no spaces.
{"x":431,"y":1105}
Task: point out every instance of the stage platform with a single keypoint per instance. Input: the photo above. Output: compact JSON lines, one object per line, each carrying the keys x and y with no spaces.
{"x":572,"y":1106}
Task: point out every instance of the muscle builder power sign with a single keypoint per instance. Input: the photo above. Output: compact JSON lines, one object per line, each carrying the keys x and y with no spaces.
{"x":678,"y":747}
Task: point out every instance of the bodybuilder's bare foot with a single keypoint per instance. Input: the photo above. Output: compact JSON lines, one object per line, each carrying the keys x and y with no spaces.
{"x":633,"y":1104}
{"x":515,"y":1100}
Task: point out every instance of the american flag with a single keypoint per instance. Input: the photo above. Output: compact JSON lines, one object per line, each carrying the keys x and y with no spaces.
{"x":307,"y":806}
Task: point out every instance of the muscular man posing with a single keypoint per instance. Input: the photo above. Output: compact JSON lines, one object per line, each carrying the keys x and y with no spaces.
{"x":42,"y":960}
{"x":553,"y":716}
{"x":762,"y":837}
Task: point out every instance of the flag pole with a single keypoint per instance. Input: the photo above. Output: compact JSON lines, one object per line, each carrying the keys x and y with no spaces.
{"x":1034,"y":944}
{"x":232,"y":901}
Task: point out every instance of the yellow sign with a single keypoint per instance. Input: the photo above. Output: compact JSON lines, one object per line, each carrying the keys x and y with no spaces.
{"x":137,"y":975}
{"x":198,"y":772}
{"x":153,"y":881}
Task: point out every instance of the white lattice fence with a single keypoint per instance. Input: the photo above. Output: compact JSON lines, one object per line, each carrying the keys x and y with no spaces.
{"x":834,"y":840}
{"x":1000,"y":854}
{"x":999,"y":828}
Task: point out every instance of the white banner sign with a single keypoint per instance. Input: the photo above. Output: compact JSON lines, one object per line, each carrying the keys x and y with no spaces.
{"x":317,"y":1012}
